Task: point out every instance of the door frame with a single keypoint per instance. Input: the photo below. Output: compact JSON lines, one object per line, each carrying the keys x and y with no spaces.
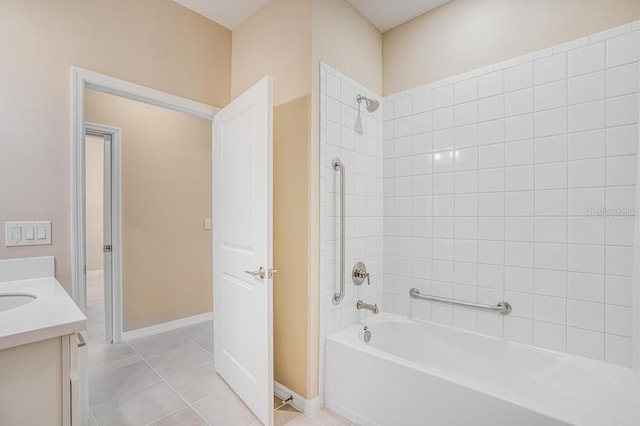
{"x":112,"y":270}
{"x":82,"y":79}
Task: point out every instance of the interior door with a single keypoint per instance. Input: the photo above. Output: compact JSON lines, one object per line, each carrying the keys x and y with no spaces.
{"x":243,"y":247}
{"x":108,"y":242}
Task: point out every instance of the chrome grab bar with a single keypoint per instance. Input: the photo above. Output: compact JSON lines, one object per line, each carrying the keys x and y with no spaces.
{"x":336,"y":164}
{"x":501,"y":308}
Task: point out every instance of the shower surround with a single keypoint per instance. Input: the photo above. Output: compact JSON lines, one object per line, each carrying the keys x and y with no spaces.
{"x":514,"y":182}
{"x":517,"y":182}
{"x":361,"y":152}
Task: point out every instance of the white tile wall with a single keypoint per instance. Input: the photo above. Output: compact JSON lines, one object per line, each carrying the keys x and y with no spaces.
{"x":362,"y":155}
{"x":517,"y":182}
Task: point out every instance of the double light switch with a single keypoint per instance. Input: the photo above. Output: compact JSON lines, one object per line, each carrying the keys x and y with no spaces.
{"x":27,"y":233}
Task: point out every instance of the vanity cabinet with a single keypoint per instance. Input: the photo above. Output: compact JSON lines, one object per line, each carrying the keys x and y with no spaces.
{"x":41,"y":362}
{"x":40,"y":383}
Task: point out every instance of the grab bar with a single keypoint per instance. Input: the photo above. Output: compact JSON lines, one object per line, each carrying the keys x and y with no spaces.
{"x":501,"y":308}
{"x":339,"y":165}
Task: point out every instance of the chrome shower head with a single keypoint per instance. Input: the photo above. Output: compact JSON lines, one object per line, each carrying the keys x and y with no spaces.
{"x":372,"y":104}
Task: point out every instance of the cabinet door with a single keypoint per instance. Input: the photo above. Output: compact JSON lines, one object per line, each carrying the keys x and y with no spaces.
{"x":78,"y":380}
{"x":32,"y":390}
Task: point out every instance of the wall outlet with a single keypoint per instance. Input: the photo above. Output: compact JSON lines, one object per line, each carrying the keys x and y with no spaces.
{"x":207,"y":224}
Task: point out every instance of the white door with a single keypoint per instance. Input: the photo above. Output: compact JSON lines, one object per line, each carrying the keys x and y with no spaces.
{"x":242,"y":245}
{"x":108,"y":242}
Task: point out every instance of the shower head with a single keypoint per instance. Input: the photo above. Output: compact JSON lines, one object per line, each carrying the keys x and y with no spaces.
{"x":372,"y":104}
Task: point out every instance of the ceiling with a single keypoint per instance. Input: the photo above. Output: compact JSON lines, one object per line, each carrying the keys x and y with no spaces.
{"x":384,"y":14}
{"x":228,"y":13}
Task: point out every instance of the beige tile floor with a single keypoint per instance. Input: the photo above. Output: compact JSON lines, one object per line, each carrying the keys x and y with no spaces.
{"x":167,"y":379}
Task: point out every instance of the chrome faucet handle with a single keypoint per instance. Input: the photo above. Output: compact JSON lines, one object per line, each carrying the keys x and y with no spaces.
{"x":359,"y":273}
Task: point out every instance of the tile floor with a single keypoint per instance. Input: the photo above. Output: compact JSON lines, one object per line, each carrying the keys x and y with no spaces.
{"x":167,"y":379}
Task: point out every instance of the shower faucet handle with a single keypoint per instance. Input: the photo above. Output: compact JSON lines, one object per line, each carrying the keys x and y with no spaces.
{"x":359,"y":273}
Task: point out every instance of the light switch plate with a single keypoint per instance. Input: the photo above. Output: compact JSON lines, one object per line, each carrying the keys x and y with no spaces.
{"x":207,"y":224}
{"x":27,"y":233}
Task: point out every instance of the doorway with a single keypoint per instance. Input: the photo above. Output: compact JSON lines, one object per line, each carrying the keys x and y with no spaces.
{"x":244,"y":132}
{"x":99,"y":210}
{"x":165,"y":193}
{"x":165,"y":210}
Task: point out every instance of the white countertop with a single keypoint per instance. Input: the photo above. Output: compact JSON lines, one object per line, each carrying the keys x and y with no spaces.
{"x":52,"y":314}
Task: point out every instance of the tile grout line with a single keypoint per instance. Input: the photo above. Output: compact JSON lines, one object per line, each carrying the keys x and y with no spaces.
{"x":162,"y":379}
{"x":197,"y":346}
{"x":606,"y":225}
{"x":171,"y":387}
{"x":504,"y":321}
{"x":171,"y":414}
{"x":190,"y":405}
{"x":477,"y":203}
{"x":566,"y":250}
{"x":130,"y":391}
{"x":91,"y":414}
{"x":534,"y":245}
{"x":454,"y":171}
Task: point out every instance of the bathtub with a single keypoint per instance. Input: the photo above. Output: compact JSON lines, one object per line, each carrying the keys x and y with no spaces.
{"x":417,"y":373}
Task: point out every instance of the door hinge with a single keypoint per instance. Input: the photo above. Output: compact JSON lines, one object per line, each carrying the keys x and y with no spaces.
{"x":107,"y":248}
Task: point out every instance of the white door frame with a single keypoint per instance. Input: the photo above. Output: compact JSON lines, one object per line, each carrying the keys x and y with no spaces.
{"x":113,"y":268}
{"x":81,"y":80}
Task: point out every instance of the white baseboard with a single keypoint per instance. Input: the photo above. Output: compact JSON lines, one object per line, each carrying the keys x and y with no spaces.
{"x":166,"y":326}
{"x":306,"y":406}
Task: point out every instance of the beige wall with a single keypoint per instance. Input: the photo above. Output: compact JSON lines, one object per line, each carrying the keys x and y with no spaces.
{"x":166,"y":194}
{"x":464,"y":35}
{"x":288,"y":39}
{"x":276,"y":40}
{"x":94,"y":201}
{"x":348,"y":42}
{"x":155,"y":43}
{"x":291,"y":245}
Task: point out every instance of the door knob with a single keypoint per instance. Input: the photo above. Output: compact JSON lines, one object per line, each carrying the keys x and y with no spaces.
{"x":259,"y":273}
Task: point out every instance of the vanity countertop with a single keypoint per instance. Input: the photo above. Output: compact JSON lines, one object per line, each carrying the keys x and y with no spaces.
{"x":52,"y":314}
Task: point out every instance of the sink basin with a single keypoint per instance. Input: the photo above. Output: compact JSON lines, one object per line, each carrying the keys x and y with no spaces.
{"x":14,"y":300}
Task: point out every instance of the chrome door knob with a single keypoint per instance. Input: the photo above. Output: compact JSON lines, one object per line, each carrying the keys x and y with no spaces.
{"x":259,"y":273}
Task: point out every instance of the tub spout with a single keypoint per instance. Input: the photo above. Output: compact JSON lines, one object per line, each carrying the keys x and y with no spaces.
{"x":373,"y":308}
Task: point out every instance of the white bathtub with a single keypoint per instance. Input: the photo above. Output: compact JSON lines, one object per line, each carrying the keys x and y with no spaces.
{"x":416,"y":373}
